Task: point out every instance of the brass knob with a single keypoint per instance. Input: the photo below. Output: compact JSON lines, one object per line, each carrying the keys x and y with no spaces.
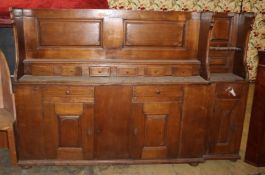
{"x":67,"y":92}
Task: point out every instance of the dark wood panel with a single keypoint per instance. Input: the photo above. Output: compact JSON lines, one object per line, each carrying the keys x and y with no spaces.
{"x":79,"y":33}
{"x":68,"y":130}
{"x":156,"y":33}
{"x":112,"y":121}
{"x":155,"y":126}
{"x":224,"y":117}
{"x":221,"y":30}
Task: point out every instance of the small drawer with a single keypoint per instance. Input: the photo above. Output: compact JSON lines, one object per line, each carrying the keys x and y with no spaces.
{"x":68,"y":70}
{"x":41,"y":70}
{"x":229,"y":90}
{"x":158,"y":71}
{"x":127,"y":71}
{"x":69,"y":91}
{"x":156,"y":91}
{"x":183,"y":71}
{"x":99,"y":71}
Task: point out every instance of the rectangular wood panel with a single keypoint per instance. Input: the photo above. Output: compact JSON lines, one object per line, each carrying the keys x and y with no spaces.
{"x":156,"y":33}
{"x":221,"y":29}
{"x":78,"y":32}
{"x":155,"y":130}
{"x":112,"y":112}
{"x":69,"y":131}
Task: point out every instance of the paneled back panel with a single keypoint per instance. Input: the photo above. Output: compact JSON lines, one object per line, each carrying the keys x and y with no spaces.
{"x":109,"y":34}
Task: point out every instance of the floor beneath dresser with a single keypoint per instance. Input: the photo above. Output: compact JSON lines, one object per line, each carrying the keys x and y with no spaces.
{"x":207,"y":168}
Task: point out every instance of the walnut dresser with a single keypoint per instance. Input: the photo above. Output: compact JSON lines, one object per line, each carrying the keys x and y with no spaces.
{"x":114,"y":86}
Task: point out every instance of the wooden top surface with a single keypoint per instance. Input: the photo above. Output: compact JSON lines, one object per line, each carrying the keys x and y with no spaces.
{"x":29,"y":79}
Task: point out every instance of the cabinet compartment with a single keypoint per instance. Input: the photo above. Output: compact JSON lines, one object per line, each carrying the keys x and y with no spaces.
{"x":156,"y":121}
{"x":155,"y":130}
{"x":58,"y":124}
{"x":226,"y":120}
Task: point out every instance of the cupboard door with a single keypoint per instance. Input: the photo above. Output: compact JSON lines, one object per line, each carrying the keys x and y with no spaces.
{"x":112,"y":113}
{"x":68,"y":131}
{"x":197,"y":99}
{"x":227,"y":119}
{"x":155,"y":130}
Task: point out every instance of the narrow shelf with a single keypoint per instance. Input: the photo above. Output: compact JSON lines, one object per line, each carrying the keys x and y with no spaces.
{"x":225,"y":77}
{"x":226,"y":48}
{"x":29,"y":79}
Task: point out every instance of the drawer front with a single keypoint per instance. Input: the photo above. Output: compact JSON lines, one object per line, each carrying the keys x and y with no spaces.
{"x":229,"y":90}
{"x":158,"y":71}
{"x":100,"y":71}
{"x":157,"y":91}
{"x":69,"y":70}
{"x":69,"y":90}
{"x":127,"y":71}
{"x":69,"y":94}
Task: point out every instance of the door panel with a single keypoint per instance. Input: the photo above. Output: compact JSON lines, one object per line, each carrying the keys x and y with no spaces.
{"x":155,"y":130}
{"x":226,"y":120}
{"x":68,"y":130}
{"x":112,"y":110}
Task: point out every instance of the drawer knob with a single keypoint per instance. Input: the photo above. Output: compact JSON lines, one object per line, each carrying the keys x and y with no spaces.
{"x":231,"y":91}
{"x":158,"y":92}
{"x":67,"y":92}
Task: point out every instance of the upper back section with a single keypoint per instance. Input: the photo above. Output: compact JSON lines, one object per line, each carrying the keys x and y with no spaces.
{"x":105,"y":36}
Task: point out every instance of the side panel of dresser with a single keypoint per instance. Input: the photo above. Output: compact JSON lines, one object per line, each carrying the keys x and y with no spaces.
{"x":29,"y":122}
{"x":226,"y":120}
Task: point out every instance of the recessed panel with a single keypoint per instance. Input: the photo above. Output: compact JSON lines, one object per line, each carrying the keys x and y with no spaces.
{"x":69,"y":33}
{"x":155,"y":130}
{"x":221,"y":29}
{"x":153,"y":33}
{"x":69,"y":131}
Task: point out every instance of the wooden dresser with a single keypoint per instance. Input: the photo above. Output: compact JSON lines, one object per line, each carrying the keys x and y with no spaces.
{"x":114,"y":86}
{"x":255,"y":152}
